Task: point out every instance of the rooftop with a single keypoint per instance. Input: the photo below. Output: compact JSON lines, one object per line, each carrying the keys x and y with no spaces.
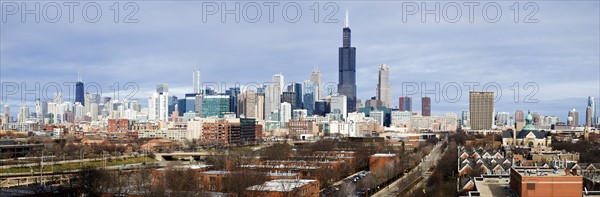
{"x":281,"y":185}
{"x":384,"y":155}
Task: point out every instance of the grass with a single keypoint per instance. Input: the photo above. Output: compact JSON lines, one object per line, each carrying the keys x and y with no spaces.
{"x":77,"y":165}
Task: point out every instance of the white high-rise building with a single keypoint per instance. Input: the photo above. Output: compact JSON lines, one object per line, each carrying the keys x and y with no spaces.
{"x":338,"y":104}
{"x":384,"y":90}
{"x":196,"y":81}
{"x":400,"y":118}
{"x":23,"y":114}
{"x":279,"y":82}
{"x":285,"y":113}
{"x":93,"y":113}
{"x":315,"y":77}
{"x":158,"y":103}
{"x":377,"y":115}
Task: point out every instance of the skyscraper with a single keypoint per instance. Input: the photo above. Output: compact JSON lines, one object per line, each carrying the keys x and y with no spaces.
{"x":315,"y":77}
{"x":215,"y":105}
{"x":519,"y":120}
{"x":405,"y":103}
{"x":426,"y":106}
{"x":297,"y":88}
{"x":196,"y":81}
{"x":588,"y":116}
{"x":310,"y":92}
{"x":251,"y":105}
{"x":347,"y":68}
{"x":481,"y":107}
{"x":592,"y":105}
{"x":158,"y":103}
{"x":384,"y":90}
{"x":79,"y":90}
{"x":573,"y":118}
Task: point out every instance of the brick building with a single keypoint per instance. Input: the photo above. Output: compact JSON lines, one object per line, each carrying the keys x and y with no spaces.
{"x":533,"y":181}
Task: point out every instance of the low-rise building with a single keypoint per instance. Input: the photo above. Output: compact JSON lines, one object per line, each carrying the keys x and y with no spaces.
{"x":285,"y":187}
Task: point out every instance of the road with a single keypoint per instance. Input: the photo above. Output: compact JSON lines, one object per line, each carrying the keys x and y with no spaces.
{"x":414,"y":178}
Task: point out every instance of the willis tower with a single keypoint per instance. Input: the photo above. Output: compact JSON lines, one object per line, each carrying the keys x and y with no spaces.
{"x":347,"y":72}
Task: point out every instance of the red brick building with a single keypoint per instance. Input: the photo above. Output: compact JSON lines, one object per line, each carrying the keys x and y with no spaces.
{"x":529,"y":182}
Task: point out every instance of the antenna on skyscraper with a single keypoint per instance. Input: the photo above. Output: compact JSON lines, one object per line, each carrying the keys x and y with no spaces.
{"x":347,"y":20}
{"x":78,"y":76}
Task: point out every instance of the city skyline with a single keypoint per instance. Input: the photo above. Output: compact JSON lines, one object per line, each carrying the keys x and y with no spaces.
{"x":550,"y":102}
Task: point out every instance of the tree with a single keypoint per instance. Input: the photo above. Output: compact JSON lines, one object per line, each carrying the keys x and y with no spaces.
{"x":237,"y":182}
{"x":279,"y":151}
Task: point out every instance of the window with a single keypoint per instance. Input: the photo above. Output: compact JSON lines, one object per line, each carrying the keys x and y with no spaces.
{"x":530,"y":186}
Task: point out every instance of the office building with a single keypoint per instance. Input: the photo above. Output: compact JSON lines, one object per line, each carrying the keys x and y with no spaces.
{"x":426,"y":106}
{"x":384,"y":90}
{"x":338,"y":105}
{"x":215,"y":105}
{"x":481,"y":107}
{"x":309,"y":90}
{"x":251,"y":105}
{"x":347,"y":69}
{"x":405,"y":103}
{"x":573,"y":118}
{"x":79,"y":90}
{"x":196,"y":83}
{"x":315,"y":77}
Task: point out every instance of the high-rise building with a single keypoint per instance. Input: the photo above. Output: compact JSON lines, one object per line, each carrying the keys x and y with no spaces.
{"x":322,"y":107}
{"x":573,"y":118}
{"x":251,"y":105}
{"x":6,"y":111}
{"x":338,"y":104}
{"x":233,"y":102}
{"x":377,"y":115}
{"x":196,"y":81}
{"x":315,"y":77}
{"x":588,"y":116}
{"x":347,"y":68}
{"x":481,"y":107}
{"x":158,"y":104}
{"x":215,"y":105}
{"x":190,"y":103}
{"x":79,"y":90}
{"x":405,"y":103}
{"x":285,"y":113}
{"x":309,"y":89}
{"x":592,"y":105}
{"x":297,"y":89}
{"x":426,"y":106}
{"x":172,"y":101}
{"x":162,"y":88}
{"x":289,"y":97}
{"x":23,"y":114}
{"x":384,"y":90}
{"x":466,"y":118}
{"x":503,"y":119}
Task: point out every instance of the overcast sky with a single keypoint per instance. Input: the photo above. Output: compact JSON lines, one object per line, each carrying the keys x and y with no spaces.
{"x":557,"y":55}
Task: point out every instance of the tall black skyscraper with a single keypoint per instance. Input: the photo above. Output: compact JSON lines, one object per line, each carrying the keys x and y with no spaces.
{"x":79,"y":90}
{"x":347,"y":73}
